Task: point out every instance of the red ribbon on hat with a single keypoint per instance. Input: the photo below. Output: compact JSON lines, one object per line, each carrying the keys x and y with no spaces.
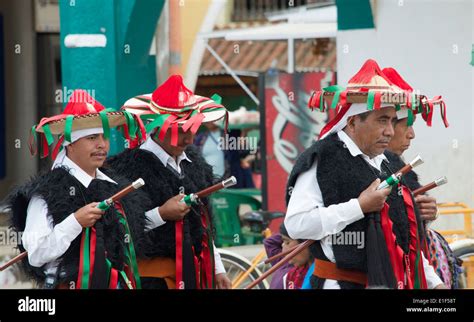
{"x":334,"y":121}
{"x":429,"y":117}
{"x":141,"y":127}
{"x":343,"y":98}
{"x":311,"y":102}
{"x":442,"y":106}
{"x":44,"y":144}
{"x":377,"y":100}
{"x":32,"y":141}
{"x":45,"y":120}
{"x":169,"y":120}
{"x":194,"y":123}
{"x":174,"y":134}
{"x":173,"y":121}
{"x":408,"y":99}
{"x":57,"y":147}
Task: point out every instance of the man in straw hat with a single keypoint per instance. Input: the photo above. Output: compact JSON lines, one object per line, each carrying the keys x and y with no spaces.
{"x":436,"y":249}
{"x":71,"y":243}
{"x":181,"y":254}
{"x":333,"y":196}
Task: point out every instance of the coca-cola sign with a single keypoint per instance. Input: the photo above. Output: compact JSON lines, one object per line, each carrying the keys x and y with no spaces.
{"x":290,"y":126}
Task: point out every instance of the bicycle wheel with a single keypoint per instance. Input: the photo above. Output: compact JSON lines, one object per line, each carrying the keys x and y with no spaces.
{"x":236,"y":265}
{"x":464,"y":249}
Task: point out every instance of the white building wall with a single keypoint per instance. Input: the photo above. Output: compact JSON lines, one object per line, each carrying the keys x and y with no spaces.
{"x":429,"y":43}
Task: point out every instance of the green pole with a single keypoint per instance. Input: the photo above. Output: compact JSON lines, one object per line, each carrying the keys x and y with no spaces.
{"x":119,"y":69}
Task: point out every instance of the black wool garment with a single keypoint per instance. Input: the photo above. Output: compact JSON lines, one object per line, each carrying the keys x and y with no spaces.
{"x":64,"y":195}
{"x":409,"y":180}
{"x":342,"y":177}
{"x":161,"y":184}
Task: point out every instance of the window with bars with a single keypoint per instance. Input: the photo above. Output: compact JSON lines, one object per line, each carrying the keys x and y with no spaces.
{"x":254,"y":10}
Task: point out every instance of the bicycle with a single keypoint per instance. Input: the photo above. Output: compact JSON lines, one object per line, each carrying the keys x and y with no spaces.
{"x":240,"y":270}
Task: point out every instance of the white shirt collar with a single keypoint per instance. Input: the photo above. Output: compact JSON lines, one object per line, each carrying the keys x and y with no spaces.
{"x":161,"y":154}
{"x":355,"y":151}
{"x":81,"y":175}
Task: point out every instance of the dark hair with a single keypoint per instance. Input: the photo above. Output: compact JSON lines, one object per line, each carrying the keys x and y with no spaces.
{"x":283,"y":230}
{"x":364,"y":116}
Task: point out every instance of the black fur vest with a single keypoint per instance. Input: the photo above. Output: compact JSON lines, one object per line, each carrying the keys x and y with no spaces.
{"x":64,"y":194}
{"x":342,"y":177}
{"x":161,"y":184}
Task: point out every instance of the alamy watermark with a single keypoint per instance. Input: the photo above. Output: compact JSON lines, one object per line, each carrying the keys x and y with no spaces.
{"x":64,"y":95}
{"x":232,"y":143}
{"x":37,"y":305}
{"x":10,"y":237}
{"x":354,"y":238}
{"x":399,"y":97}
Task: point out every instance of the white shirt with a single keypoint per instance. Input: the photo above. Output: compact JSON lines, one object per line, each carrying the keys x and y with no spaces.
{"x":213,"y":154}
{"x":154,"y":218}
{"x":308,"y":218}
{"x":45,"y":243}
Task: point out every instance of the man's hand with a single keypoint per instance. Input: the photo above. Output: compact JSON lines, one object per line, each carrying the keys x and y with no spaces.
{"x":173,"y":209}
{"x":427,"y":206}
{"x":371,"y":199}
{"x":88,"y":215}
{"x":223,"y":282}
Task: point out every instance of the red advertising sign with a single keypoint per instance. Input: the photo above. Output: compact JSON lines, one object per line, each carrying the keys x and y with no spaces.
{"x":290,"y":126}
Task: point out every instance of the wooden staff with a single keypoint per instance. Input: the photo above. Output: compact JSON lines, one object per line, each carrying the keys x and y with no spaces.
{"x":299,"y":248}
{"x":193,"y":198}
{"x":105,"y":203}
{"x":280,"y":255}
{"x":295,"y":252}
{"x":438,"y":182}
{"x":13,"y":260}
{"x":395,"y":178}
{"x":229,"y":182}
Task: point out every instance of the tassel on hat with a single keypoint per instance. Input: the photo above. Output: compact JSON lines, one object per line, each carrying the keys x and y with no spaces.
{"x":172,"y":105}
{"x":396,"y":79}
{"x":172,"y":93}
{"x":370,"y":75}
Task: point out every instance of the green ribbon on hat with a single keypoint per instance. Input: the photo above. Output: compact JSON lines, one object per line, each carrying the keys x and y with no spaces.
{"x":410,"y":118}
{"x":157,"y":122}
{"x":131,"y":125}
{"x":415,"y":104}
{"x":34,"y":135}
{"x":47,"y":134}
{"x":68,"y":128}
{"x":333,"y":88}
{"x":428,"y":109}
{"x":336,"y":89}
{"x":105,"y":123}
{"x":370,"y":100}
{"x":321,"y":102}
{"x":216,"y":98}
